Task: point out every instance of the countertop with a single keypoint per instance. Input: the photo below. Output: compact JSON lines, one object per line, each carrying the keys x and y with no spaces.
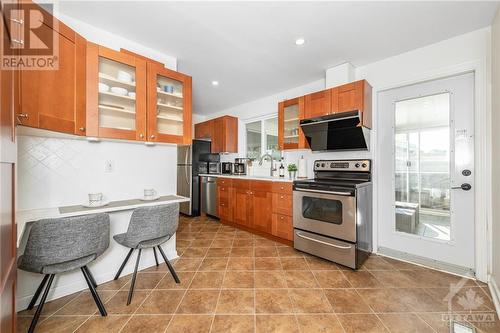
{"x":24,"y":217}
{"x":268,"y":178}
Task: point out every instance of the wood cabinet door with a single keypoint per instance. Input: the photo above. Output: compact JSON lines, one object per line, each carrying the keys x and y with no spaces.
{"x":230,"y":143}
{"x":348,"y":98}
{"x":225,"y":202}
{"x":282,"y":203}
{"x":318,"y":104}
{"x":218,"y":135}
{"x":113,"y":114}
{"x":204,"y":130}
{"x":169,"y":105}
{"x":283,"y":226}
{"x":241,"y":207}
{"x":55,"y":99}
{"x":290,"y":136}
{"x":261,"y":210}
{"x":8,"y":157}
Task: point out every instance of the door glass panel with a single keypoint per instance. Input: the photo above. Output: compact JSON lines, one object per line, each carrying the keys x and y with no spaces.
{"x":271,"y":129}
{"x":291,"y":126}
{"x":169,"y":106}
{"x":254,"y":130}
{"x":116,"y":95}
{"x":422,"y":166}
{"x":326,"y":210}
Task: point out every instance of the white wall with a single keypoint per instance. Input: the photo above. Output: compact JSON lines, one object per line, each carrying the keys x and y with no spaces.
{"x":495,"y":37}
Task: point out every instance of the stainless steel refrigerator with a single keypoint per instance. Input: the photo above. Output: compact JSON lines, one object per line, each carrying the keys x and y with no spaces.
{"x":189,"y":166}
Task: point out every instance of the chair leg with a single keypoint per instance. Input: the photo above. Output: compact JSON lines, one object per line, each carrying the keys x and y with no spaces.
{"x":40,"y":306}
{"x":123,"y":264}
{"x":156,"y":257}
{"x":37,"y":292}
{"x":96,"y":297}
{"x":132,"y":284}
{"x":91,"y":277}
{"x":169,"y":265}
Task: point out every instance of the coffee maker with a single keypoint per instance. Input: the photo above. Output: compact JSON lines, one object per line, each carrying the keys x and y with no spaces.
{"x":240,"y":166}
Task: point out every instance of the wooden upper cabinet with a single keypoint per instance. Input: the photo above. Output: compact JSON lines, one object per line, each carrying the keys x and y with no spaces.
{"x":318,"y":104}
{"x":169,"y":103}
{"x":55,"y":99}
{"x":116,"y":94}
{"x":355,"y":96}
{"x":290,"y":135}
{"x":222,"y":131}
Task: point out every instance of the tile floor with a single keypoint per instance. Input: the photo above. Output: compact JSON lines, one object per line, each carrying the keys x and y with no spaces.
{"x":233,"y":281}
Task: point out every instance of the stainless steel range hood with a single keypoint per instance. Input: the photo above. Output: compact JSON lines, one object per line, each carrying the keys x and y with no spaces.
{"x":340,"y":131}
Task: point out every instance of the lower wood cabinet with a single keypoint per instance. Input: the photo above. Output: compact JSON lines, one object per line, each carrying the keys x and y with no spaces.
{"x":263,"y":206}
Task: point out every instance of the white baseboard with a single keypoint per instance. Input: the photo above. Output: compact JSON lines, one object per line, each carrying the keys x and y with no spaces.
{"x":495,"y":293}
{"x":68,"y":289}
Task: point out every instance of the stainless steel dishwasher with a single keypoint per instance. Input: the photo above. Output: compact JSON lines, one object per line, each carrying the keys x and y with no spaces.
{"x":209,"y":195}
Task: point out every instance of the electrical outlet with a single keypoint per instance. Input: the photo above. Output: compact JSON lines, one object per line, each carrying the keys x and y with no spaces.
{"x":109,"y":166}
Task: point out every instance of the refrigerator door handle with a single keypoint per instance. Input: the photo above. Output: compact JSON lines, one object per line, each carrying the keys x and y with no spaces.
{"x":188,"y":180}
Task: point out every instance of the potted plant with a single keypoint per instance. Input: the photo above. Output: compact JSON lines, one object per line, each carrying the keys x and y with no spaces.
{"x":292,"y":170}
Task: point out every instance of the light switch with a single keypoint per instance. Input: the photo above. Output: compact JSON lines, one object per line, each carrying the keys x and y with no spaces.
{"x":109,"y":166}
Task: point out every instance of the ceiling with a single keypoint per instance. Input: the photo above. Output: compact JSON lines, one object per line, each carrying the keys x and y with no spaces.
{"x":249,"y":47}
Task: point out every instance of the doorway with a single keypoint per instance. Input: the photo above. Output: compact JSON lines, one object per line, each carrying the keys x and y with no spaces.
{"x":426,"y":153}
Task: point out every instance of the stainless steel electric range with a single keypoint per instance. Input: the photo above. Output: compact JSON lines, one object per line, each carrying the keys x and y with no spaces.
{"x":332,"y":213}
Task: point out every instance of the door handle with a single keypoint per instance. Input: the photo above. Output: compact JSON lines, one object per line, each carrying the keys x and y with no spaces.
{"x":464,"y":186}
{"x":324,"y":243}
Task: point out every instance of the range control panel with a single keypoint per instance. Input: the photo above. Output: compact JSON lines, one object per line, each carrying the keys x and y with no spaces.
{"x":342,"y":165}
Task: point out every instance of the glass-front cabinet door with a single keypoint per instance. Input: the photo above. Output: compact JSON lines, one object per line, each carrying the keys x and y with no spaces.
{"x":169,"y":105}
{"x":116,"y":94}
{"x":290,"y":135}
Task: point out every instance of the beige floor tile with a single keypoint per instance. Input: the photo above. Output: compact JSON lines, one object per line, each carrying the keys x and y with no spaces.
{"x":147,"y":324}
{"x":201,"y":243}
{"x":320,"y":264}
{"x":362,"y":279}
{"x":243,"y":242}
{"x":51,"y":307}
{"x":377,"y":263}
{"x":148,"y":280}
{"x":199,"y":302}
{"x":240,"y":264}
{"x":319,"y":323}
{"x":272,"y":301}
{"x":108,"y":324}
{"x":276,"y":324}
{"x":213,"y":264}
{"x":184,"y":264}
{"x":190,"y":324}
{"x":300,"y":279}
{"x":242,"y":252}
{"x":115,"y":284}
{"x":261,"y":241}
{"x":294,"y":264}
{"x":238,"y":279}
{"x":161,"y":302}
{"x":266,"y":251}
{"x":233,"y":324}
{"x":207,"y":280}
{"x":366,"y":323}
{"x":267,"y":264}
{"x":394,"y":279}
{"x":270,"y":279}
{"x":331,"y":279}
{"x":346,"y":301}
{"x":84,"y":303}
{"x":118,"y":303}
{"x":309,"y":301}
{"x":235,"y":302}
{"x":384,"y":300}
{"x":168,"y":281}
{"x":222,"y":243}
{"x":195,"y":252}
{"x":405,"y":323}
{"x":60,"y":324}
{"x":289,"y":252}
{"x":218,"y":252}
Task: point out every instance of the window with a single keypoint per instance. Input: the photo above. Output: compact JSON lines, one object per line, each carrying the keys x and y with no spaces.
{"x":262,"y":138}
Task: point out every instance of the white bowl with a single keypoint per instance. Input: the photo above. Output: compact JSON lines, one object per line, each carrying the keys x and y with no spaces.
{"x":119,"y":91}
{"x":124,"y":76}
{"x":131,"y":94}
{"x":103,"y":87}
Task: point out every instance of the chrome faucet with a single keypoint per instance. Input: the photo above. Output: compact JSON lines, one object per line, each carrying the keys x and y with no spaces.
{"x":271,"y":159}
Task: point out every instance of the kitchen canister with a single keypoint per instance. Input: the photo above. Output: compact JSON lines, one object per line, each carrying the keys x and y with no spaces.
{"x":302,"y":167}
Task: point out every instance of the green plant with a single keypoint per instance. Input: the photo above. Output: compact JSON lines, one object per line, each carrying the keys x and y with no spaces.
{"x":292,"y":167}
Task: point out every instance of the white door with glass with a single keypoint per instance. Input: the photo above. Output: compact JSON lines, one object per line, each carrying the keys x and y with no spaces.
{"x":426,"y":170}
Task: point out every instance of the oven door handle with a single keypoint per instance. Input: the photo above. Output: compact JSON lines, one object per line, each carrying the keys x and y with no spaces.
{"x":326,"y":192}
{"x":324,"y":243}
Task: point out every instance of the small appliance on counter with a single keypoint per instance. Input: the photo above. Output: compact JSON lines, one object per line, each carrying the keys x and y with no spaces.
{"x":214,"y":168}
{"x":227,"y":168}
{"x":240,"y":166}
{"x":212,"y":163}
{"x":332,"y":213}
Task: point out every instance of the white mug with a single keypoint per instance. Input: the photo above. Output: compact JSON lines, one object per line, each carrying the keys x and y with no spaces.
{"x":149,"y":193}
{"x":95,"y":199}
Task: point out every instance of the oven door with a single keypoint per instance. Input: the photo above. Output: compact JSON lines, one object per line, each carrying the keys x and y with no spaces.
{"x":327,"y":213}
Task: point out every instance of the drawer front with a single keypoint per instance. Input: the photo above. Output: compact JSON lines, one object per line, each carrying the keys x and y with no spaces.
{"x":241,"y":184}
{"x":225,"y":210}
{"x":283,"y":204}
{"x":224,"y":195}
{"x":261,"y":185}
{"x":282,"y":187}
{"x":226,"y":182}
{"x":283,"y":226}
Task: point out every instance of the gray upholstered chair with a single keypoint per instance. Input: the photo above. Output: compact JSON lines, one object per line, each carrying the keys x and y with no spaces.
{"x":63,"y":244}
{"x":149,"y":227}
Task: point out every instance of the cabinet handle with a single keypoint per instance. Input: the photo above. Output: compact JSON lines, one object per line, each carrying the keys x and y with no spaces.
{"x":281,"y":218}
{"x":222,"y":188}
{"x":141,"y":136}
{"x":82,"y":129}
{"x":18,"y":41}
{"x":222,"y":204}
{"x":152,"y":136}
{"x":281,"y":197}
{"x":18,"y":21}
{"x":21,"y":116}
{"x":282,"y":187}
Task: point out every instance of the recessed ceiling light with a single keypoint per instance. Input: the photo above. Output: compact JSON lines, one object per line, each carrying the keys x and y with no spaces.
{"x":300,"y":41}
{"x":215,"y":83}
